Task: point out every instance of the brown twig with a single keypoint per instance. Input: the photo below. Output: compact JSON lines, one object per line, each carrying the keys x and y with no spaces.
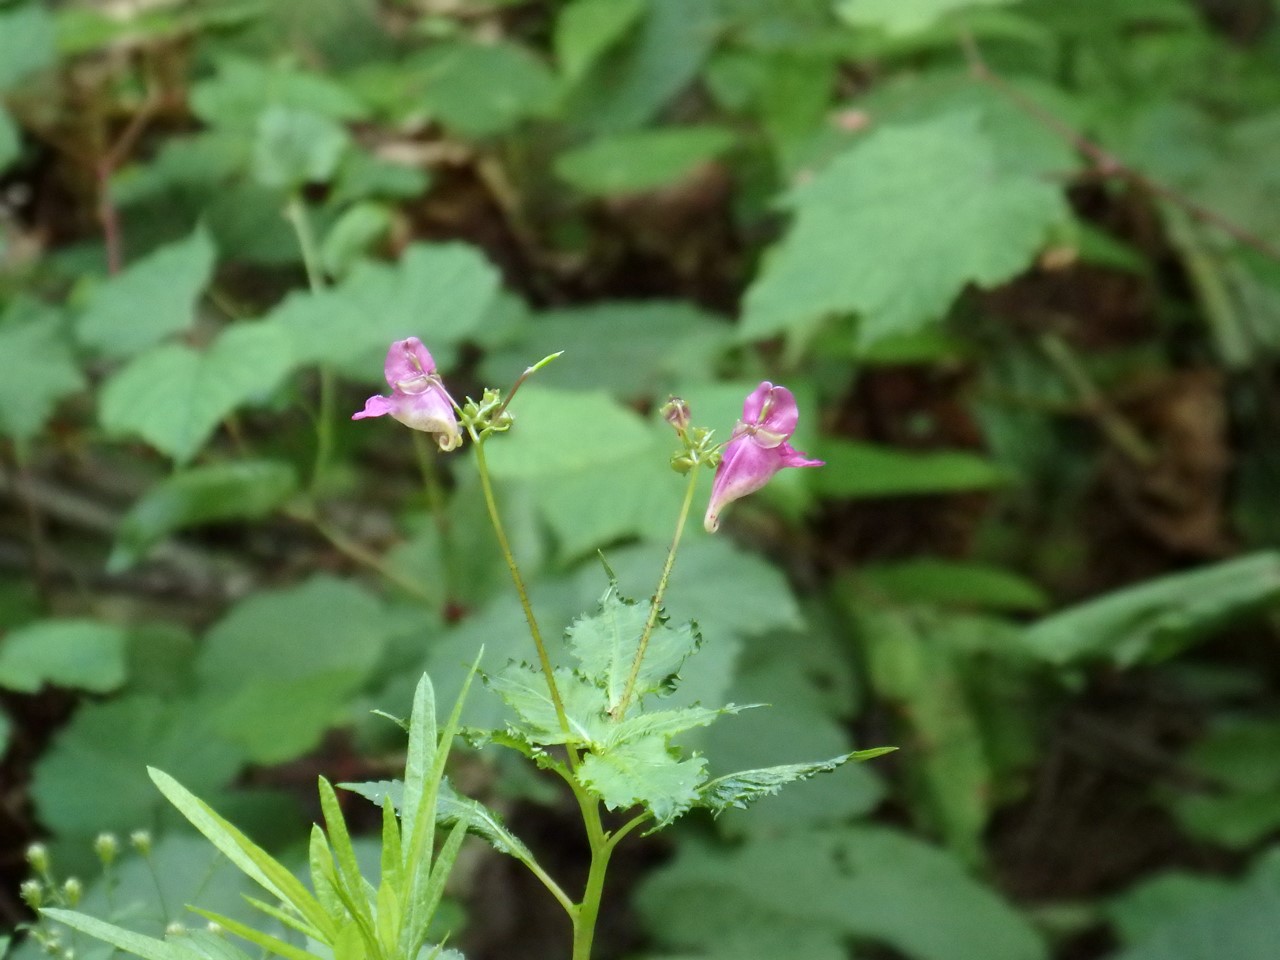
{"x":1105,"y":163}
{"x":105,"y":168}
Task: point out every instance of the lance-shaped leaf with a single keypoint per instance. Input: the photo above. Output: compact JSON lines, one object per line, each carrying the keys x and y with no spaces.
{"x":747,"y":786}
{"x":606,"y":643}
{"x":149,"y":948}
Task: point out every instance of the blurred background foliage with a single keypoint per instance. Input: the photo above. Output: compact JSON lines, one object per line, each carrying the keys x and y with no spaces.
{"x":1019,"y":260}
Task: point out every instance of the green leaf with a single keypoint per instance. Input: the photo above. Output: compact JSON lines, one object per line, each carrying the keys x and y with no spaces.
{"x":837,"y":884}
{"x":275,"y":945}
{"x":174,"y":396}
{"x":242,"y":89}
{"x":665,"y":723}
{"x":150,"y":300}
{"x":629,"y":87}
{"x":10,"y":140}
{"x":109,"y":745}
{"x":439,"y":292}
{"x":897,"y":226}
{"x":1139,"y":912}
{"x":901,"y":17}
{"x":353,"y":235}
{"x":745,"y":787}
{"x":421,"y":757}
{"x":26,"y":41}
{"x":251,"y":859}
{"x":954,"y":583}
{"x":607,"y":641}
{"x":149,"y":948}
{"x":524,"y":689}
{"x":296,"y":147}
{"x":1155,"y":619}
{"x":557,"y":432}
{"x":644,"y":772}
{"x":869,"y":470}
{"x":277,"y":698}
{"x":642,"y":160}
{"x":586,"y":29}
{"x":81,"y":654}
{"x":246,"y":489}
{"x":36,"y":371}
{"x":484,"y":89}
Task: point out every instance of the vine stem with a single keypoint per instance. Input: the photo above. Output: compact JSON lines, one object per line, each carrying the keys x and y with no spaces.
{"x":486,"y":485}
{"x":655,"y":605}
{"x":296,"y":213}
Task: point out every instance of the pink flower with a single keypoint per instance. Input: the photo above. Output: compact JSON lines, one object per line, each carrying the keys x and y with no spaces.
{"x":418,"y":397}
{"x":757,"y":450}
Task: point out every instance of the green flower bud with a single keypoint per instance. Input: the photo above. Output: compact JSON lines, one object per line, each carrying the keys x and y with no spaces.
{"x":106,"y":846}
{"x":175,"y":929}
{"x":32,"y":893}
{"x":38,"y":857}
{"x":73,"y":889}
{"x":140,"y":840}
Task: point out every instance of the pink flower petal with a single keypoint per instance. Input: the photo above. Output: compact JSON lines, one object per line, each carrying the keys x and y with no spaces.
{"x":374,"y":407}
{"x":408,"y":360}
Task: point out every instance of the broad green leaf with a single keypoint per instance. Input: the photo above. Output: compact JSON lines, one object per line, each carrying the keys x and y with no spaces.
{"x":150,"y":300}
{"x":897,"y":226}
{"x":247,"y":489}
{"x":10,"y":140}
{"x":280,"y":668}
{"x":26,"y":41}
{"x":484,"y":89}
{"x":664,"y":723}
{"x":606,"y":642}
{"x":868,"y":470}
{"x":633,"y":349}
{"x":366,"y":177}
{"x":1140,"y":912}
{"x":843,"y":883}
{"x":296,"y":147}
{"x":558,"y":432}
{"x":628,"y":88}
{"x":174,"y":396}
{"x":354,"y":234}
{"x":248,"y":857}
{"x":242,"y":89}
{"x":81,"y":654}
{"x":745,"y":787}
{"x":36,"y":371}
{"x":954,"y":583}
{"x":524,"y":689}
{"x":441,"y":293}
{"x":644,"y":772}
{"x":900,"y":17}
{"x":1242,"y":922}
{"x":586,"y":29}
{"x":109,"y":745}
{"x":1155,"y":619}
{"x":149,"y":948}
{"x":642,"y":160}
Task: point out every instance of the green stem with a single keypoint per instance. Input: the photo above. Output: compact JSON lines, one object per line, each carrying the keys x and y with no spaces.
{"x":296,"y":213}
{"x":491,"y":504}
{"x":584,"y":922}
{"x":655,"y":605}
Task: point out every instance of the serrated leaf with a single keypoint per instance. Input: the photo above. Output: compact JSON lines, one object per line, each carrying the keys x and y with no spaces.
{"x":607,"y":641}
{"x":896,"y":227}
{"x":524,"y":689}
{"x":79,"y":654}
{"x":1154,"y":619}
{"x":747,"y":786}
{"x":665,"y":723}
{"x":149,"y":300}
{"x":246,"y":489}
{"x":641,"y":160}
{"x":174,"y":396}
{"x":902,"y":17}
{"x":36,"y":371}
{"x":644,"y":772}
{"x":586,"y":29}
